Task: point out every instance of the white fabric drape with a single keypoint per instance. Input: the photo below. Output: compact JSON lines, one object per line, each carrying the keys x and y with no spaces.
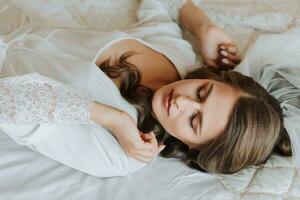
{"x":274,"y":62}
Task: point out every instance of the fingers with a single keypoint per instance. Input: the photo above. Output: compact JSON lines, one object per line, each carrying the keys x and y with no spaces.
{"x":161,"y":147}
{"x":230,"y":47}
{"x":157,"y":148}
{"x":142,"y":159}
{"x":147,"y":146}
{"x":228,"y":57}
{"x":146,"y":137}
{"x":232,"y":57}
{"x":225,"y":64}
{"x":150,"y":156}
{"x":147,"y":154}
{"x":152,"y":140}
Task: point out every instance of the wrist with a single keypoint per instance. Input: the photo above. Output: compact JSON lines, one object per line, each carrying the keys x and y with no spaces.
{"x":201,"y":31}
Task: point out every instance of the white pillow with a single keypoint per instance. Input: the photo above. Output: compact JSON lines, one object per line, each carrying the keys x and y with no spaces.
{"x":274,"y":62}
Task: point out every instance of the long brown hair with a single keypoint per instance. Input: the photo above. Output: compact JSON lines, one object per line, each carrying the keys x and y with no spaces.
{"x":254,"y":130}
{"x":135,"y":93}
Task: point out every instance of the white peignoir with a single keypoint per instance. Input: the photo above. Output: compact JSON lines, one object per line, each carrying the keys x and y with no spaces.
{"x":67,"y":56}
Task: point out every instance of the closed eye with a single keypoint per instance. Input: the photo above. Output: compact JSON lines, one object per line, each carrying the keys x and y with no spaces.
{"x":193,"y":117}
{"x":202,"y":95}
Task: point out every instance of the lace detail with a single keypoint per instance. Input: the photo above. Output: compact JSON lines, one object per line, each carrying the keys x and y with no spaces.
{"x":32,"y":98}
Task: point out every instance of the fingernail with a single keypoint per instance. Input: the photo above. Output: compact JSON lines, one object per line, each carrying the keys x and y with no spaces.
{"x":223,"y":47}
{"x":162,"y":148}
{"x":224,"y":60}
{"x":233,"y":49}
{"x":224,"y":53}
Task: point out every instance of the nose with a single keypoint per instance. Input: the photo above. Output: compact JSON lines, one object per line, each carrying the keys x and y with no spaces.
{"x":185,"y":102}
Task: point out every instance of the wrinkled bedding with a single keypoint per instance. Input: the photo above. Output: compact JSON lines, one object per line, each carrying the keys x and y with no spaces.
{"x":25,"y":174}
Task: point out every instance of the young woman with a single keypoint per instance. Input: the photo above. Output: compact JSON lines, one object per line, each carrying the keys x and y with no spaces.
{"x":146,"y":58}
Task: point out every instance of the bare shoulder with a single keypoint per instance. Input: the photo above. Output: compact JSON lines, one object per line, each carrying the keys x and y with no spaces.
{"x":156,"y":68}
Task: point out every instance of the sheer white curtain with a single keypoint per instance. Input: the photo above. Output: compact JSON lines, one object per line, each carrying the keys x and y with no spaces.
{"x":274,"y":61}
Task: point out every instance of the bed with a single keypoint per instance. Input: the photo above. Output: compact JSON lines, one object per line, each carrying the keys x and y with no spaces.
{"x":27,"y":175}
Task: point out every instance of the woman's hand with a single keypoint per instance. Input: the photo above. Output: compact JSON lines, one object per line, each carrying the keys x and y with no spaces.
{"x":143,"y":147}
{"x":217,"y":48}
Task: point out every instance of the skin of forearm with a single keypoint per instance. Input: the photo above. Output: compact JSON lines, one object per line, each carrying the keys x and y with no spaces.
{"x":194,"y":19}
{"x":105,"y":115}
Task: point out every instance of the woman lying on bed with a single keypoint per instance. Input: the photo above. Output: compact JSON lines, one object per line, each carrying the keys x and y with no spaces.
{"x":221,"y":121}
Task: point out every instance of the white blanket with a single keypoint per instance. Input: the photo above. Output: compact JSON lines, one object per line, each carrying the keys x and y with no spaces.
{"x":165,"y":178}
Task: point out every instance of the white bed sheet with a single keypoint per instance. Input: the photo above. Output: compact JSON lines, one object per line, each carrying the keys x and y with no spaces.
{"x":27,"y":175}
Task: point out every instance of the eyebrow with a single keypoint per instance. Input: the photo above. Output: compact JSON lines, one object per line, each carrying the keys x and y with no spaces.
{"x":200,"y":116}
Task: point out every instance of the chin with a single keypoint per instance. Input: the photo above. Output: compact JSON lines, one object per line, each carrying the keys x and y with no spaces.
{"x":153,"y":111}
{"x":157,"y":108}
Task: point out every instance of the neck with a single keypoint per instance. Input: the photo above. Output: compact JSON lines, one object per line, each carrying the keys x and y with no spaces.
{"x":154,"y":88}
{"x":154,"y":85}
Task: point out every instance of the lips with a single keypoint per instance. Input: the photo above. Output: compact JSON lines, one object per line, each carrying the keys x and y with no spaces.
{"x":168,"y":101}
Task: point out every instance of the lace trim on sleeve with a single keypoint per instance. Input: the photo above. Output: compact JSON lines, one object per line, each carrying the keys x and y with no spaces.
{"x":32,"y":98}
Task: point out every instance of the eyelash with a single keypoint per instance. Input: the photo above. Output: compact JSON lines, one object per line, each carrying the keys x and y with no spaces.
{"x":195,"y":114}
{"x":192,"y":118}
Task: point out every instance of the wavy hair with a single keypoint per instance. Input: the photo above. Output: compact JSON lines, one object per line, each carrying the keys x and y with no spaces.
{"x":253,"y":132}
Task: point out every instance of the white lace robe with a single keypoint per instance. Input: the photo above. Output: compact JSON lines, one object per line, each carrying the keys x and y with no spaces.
{"x":35,"y":99}
{"x":56,"y":121}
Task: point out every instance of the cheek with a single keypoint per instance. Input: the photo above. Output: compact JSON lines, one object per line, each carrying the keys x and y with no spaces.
{"x":176,"y":128}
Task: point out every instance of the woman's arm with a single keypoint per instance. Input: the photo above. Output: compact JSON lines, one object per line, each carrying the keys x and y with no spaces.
{"x":33,"y":99}
{"x":216,"y":47}
{"x":143,"y":147}
{"x":194,"y":19}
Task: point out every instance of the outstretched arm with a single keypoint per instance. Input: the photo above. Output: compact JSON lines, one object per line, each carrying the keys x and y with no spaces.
{"x":216,"y":47}
{"x":193,"y":18}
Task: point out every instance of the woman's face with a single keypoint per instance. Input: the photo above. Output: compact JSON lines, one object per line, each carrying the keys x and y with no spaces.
{"x":194,"y":110}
